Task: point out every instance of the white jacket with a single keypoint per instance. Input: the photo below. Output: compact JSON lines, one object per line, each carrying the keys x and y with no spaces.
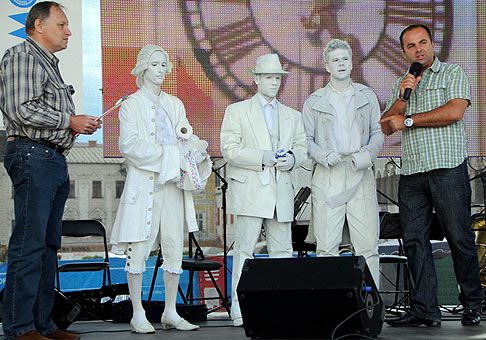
{"x":244,"y":138}
{"x":144,"y":157}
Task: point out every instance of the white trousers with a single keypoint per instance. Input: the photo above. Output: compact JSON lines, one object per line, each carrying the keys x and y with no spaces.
{"x":168,"y":223}
{"x":279,"y":244}
{"x":361,"y":212}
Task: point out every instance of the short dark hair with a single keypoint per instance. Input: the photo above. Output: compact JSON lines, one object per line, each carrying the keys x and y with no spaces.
{"x":40,"y":10}
{"x":412,"y":27}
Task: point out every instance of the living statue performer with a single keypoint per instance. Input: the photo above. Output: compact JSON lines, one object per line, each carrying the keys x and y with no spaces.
{"x":262,"y":141}
{"x":166,"y":163}
{"x":343,"y":140}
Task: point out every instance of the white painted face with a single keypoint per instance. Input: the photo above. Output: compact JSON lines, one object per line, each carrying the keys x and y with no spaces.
{"x":157,"y":69}
{"x":268,"y":84}
{"x":339,"y":64}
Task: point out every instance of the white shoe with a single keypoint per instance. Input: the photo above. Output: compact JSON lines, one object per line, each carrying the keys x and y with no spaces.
{"x":238,"y":322}
{"x":143,"y":327}
{"x":181,"y":325}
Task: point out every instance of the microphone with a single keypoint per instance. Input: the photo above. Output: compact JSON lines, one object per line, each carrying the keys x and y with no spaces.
{"x":415,"y":70}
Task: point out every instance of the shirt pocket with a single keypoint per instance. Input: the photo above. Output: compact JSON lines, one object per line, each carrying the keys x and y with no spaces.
{"x":132,"y":188}
{"x":434,"y":95}
{"x":129,"y":195}
{"x":59,"y":96}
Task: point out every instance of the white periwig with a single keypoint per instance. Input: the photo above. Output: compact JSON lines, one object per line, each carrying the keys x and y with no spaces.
{"x":143,"y":61}
{"x":336,"y":44}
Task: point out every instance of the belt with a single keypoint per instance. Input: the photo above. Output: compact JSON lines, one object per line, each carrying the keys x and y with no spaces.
{"x":50,"y":145}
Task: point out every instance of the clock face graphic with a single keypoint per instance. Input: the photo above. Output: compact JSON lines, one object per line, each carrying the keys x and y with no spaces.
{"x":228,"y":36}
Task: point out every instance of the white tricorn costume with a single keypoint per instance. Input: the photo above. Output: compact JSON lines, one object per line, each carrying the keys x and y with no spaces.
{"x":252,"y":133}
{"x":343,"y":139}
{"x":157,"y":142}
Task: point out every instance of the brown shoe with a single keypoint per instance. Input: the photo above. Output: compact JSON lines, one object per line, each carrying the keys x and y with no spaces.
{"x":62,"y":335}
{"x":31,"y":335}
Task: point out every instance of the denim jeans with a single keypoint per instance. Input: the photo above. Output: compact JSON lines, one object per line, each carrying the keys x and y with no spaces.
{"x":449,"y":193}
{"x":41,"y":187}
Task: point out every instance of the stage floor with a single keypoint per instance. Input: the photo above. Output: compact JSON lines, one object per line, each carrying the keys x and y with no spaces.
{"x":221,"y":328}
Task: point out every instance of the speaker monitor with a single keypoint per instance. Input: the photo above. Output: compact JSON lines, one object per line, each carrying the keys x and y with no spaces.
{"x":309,"y":297}
{"x":65,"y":311}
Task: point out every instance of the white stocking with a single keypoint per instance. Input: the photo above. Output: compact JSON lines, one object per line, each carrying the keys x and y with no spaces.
{"x":171,"y":282}
{"x":135,"y":288}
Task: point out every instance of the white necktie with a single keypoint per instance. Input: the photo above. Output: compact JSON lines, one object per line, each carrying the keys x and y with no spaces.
{"x":268,"y":111}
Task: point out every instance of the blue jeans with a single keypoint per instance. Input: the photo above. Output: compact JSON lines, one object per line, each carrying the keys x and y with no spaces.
{"x":41,"y":187}
{"x":449,"y":193}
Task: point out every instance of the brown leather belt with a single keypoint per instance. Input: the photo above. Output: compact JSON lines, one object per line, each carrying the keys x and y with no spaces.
{"x":51,"y":145}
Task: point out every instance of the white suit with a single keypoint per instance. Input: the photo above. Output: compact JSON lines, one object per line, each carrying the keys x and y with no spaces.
{"x":244,"y":138}
{"x":135,"y":214}
{"x":340,"y":191}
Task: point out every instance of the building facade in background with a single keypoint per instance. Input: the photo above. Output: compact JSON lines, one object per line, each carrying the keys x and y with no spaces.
{"x":97,"y":184}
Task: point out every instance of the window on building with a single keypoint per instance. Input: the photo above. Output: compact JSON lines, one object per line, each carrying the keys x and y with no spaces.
{"x":119,"y":188}
{"x":96,"y":189}
{"x":72,"y":189}
{"x":200,"y":220}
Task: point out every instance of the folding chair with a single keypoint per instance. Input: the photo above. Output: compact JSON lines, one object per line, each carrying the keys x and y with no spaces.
{"x":84,"y":228}
{"x":299,"y":232}
{"x":195,"y":264}
{"x":390,"y":229}
{"x":90,"y":300}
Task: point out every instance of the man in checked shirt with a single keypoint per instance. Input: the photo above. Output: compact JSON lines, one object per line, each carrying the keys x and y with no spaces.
{"x":433,"y":176}
{"x":39,"y":116}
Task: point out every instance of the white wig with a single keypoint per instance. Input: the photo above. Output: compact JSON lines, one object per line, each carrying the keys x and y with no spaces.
{"x":143,"y":61}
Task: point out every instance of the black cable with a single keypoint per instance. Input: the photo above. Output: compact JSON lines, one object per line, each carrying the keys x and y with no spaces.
{"x":355,"y":335}
{"x":303,"y":167}
{"x":353,"y":314}
{"x":222,"y":166}
{"x":394,"y":163}
{"x":469,"y":163}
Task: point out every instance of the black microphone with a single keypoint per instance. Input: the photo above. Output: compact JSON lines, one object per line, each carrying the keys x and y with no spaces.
{"x":415,"y":70}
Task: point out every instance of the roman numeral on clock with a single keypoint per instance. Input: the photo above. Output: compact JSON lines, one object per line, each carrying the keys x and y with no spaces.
{"x":235,"y":41}
{"x":405,"y":13}
{"x":389,"y":53}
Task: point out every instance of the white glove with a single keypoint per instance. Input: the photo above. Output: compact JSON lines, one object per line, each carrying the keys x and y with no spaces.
{"x":333,"y":159}
{"x":268,"y":158}
{"x":285,"y":163}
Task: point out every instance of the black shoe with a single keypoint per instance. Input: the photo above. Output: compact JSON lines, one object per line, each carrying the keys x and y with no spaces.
{"x":471,"y":317}
{"x":410,"y":320}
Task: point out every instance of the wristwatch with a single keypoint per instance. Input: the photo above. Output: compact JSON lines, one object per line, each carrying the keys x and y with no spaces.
{"x":408,"y":122}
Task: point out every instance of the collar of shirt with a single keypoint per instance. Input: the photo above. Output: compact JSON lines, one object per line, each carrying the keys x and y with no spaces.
{"x":435,"y":67}
{"x":347,"y":91}
{"x":152,"y":97}
{"x":264,"y":102}
{"x":156,"y":100}
{"x":45,"y":53}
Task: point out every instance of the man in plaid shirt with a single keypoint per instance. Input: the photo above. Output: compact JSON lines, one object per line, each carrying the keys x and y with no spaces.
{"x":38,"y":113}
{"x":434,"y":176}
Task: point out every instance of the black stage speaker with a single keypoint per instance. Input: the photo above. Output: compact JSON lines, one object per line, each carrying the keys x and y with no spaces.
{"x":308,"y":297}
{"x":65,"y":311}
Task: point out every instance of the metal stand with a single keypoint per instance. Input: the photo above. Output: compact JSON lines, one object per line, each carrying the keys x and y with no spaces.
{"x":224,"y":187}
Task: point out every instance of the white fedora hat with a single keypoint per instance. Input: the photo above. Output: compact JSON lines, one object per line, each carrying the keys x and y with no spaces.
{"x":268,"y":63}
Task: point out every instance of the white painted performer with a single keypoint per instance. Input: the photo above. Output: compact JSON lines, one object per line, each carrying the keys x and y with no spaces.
{"x":254,"y":133}
{"x":153,"y":203}
{"x":343,"y":140}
